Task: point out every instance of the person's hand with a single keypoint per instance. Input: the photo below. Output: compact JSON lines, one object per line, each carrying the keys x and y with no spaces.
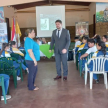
{"x":50,"y":51}
{"x":35,"y":63}
{"x":81,"y":57}
{"x":64,"y":51}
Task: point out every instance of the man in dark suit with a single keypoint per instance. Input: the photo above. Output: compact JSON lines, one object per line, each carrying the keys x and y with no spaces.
{"x":61,"y":40}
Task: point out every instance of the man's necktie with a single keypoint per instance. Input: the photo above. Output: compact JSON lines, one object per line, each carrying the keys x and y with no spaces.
{"x":58,"y":32}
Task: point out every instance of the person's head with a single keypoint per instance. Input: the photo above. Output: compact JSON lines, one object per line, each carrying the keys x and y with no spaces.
{"x":13,"y":44}
{"x":97,"y":38}
{"x":91,"y":42}
{"x":104,"y":38}
{"x":38,"y":41}
{"x":84,"y":39}
{"x":5,"y":46}
{"x":43,"y":39}
{"x":76,"y":38}
{"x":30,"y":33}
{"x":58,"y":24}
{"x":101,"y":47}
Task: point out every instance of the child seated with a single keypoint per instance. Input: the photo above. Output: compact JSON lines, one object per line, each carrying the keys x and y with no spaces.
{"x":92,"y":49}
{"x":100,"y":53}
{"x":77,"y":43}
{"x":105,"y":39}
{"x":83,"y":46}
{"x":4,"y":53}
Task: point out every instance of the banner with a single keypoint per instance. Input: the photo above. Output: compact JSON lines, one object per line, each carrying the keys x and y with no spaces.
{"x":101,"y":12}
{"x":3,"y":34}
{"x":1,"y":15}
{"x":82,"y":28}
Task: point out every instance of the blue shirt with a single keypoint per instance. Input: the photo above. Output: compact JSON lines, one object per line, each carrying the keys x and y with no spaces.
{"x":31,"y":44}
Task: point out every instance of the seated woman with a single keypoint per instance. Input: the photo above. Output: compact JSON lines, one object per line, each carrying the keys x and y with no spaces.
{"x":6,"y":86}
{"x":21,"y":48}
{"x":105,"y":39}
{"x":4,"y":53}
{"x":100,"y":53}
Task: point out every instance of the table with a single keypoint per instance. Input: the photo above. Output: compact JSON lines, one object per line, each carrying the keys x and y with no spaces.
{"x":44,"y":51}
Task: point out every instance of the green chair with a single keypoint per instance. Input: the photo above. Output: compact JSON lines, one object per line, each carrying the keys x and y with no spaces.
{"x":10,"y":60}
{"x":80,"y":67}
{"x":3,"y":88}
{"x":5,"y":68}
{"x":17,"y":56}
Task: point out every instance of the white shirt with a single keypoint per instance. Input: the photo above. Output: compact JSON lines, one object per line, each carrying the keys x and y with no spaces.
{"x":77,"y":43}
{"x":91,"y":50}
{"x":60,"y":31}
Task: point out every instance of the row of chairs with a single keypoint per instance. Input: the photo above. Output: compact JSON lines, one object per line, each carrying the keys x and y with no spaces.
{"x":6,"y":67}
{"x":98,"y":67}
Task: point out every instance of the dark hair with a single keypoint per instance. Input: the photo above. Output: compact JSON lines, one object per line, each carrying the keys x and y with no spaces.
{"x":4,"y":45}
{"x":97,"y":38}
{"x":85,"y":37}
{"x":103,"y":47}
{"x":28,"y":31}
{"x":91,"y":41}
{"x":58,"y":21}
{"x":76,"y":37}
{"x":105,"y":36}
{"x":12,"y":43}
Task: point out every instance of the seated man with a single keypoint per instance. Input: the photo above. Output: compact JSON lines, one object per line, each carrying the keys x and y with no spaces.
{"x":92,"y":49}
{"x":6,"y":86}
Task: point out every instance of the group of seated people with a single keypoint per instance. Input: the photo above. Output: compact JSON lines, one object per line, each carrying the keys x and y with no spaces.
{"x":41,"y":41}
{"x":94,"y":45}
{"x":6,"y":51}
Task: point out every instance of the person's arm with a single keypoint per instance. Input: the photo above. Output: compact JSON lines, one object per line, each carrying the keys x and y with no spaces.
{"x":52,"y":42}
{"x":68,"y":42}
{"x":84,"y":55}
{"x":32,"y":56}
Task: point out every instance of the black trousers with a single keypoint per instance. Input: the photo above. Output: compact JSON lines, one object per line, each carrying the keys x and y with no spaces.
{"x":61,"y":58}
{"x":32,"y":74}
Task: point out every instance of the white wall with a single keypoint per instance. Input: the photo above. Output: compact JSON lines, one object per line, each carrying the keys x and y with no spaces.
{"x":9,"y":13}
{"x":29,"y":19}
{"x":92,"y":7}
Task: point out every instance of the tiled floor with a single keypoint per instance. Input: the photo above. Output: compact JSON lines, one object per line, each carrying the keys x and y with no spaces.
{"x":57,"y":94}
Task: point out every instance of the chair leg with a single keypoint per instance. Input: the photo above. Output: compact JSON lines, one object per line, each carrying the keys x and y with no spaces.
{"x":21,"y":73}
{"x":15,"y":79}
{"x":104,"y":79}
{"x":86,"y":73}
{"x":3,"y":90}
{"x":91,"y":80}
{"x":105,"y":75}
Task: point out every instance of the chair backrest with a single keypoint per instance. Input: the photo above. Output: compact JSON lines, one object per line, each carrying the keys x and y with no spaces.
{"x":89,"y":56}
{"x":83,"y":51}
{"x":98,"y":63}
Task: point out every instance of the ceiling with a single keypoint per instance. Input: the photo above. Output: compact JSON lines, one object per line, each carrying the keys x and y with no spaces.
{"x":50,"y":2}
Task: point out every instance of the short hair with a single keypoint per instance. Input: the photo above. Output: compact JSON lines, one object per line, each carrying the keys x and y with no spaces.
{"x":85,"y":37}
{"x":76,"y":37}
{"x":105,"y":36}
{"x":58,"y":21}
{"x":91,"y":41}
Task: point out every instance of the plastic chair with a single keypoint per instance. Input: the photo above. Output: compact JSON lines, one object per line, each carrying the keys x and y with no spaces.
{"x":3,"y":88}
{"x":10,"y":60}
{"x":98,"y":68}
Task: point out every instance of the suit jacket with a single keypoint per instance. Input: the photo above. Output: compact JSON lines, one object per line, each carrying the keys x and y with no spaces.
{"x":61,"y":42}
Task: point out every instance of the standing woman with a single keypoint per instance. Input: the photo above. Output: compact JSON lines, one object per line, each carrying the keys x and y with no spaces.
{"x":31,"y":57}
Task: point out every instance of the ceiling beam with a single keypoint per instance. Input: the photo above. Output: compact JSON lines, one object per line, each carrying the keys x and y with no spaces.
{"x":28,"y":5}
{"x":66,"y":10}
{"x":71,"y":3}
